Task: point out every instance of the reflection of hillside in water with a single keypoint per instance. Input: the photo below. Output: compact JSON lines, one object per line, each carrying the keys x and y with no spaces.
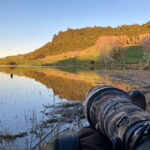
{"x":67,"y":85}
{"x":68,"y":88}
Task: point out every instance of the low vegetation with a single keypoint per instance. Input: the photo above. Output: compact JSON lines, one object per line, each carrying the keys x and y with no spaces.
{"x":122,"y":55}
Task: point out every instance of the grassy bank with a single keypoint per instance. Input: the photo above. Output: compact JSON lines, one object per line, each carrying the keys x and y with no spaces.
{"x":129,"y":55}
{"x":90,"y":56}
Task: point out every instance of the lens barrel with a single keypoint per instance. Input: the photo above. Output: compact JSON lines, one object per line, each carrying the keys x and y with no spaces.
{"x":113,"y":112}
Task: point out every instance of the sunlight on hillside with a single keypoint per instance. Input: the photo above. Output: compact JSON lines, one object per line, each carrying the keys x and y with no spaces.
{"x":89,"y":54}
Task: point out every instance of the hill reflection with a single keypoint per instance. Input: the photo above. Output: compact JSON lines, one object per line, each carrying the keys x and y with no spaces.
{"x":70,"y":86}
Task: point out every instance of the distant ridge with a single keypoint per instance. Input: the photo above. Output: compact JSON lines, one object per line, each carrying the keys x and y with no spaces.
{"x":74,"y":40}
{"x":80,"y":39}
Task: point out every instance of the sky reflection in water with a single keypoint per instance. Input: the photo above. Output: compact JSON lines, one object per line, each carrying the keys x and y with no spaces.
{"x":20,"y":99}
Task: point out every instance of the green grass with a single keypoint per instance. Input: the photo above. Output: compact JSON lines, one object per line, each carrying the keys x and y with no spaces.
{"x":76,"y":61}
{"x":132,"y":54}
{"x":24,"y":62}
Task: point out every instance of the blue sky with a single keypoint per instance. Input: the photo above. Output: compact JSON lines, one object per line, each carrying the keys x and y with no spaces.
{"x":26,"y":25}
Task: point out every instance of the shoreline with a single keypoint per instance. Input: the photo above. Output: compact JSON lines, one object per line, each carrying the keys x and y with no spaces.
{"x":92,"y":67}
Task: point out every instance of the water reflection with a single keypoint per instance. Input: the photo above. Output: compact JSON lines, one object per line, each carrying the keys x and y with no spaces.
{"x":11,"y":75}
{"x":68,"y":85}
{"x":36,"y":91}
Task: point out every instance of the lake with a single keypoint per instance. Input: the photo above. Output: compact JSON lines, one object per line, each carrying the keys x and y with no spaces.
{"x":35,"y":101}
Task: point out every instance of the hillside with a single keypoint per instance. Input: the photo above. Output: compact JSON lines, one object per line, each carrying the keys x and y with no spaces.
{"x":80,"y":39}
{"x":75,"y":42}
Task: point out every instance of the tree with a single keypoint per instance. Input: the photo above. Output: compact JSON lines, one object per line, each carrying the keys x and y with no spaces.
{"x":12,"y":63}
{"x":146,"y":44}
{"x":108,"y":43}
{"x":116,"y":53}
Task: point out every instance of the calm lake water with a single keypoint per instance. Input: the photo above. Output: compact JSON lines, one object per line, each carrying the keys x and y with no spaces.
{"x":31,"y":98}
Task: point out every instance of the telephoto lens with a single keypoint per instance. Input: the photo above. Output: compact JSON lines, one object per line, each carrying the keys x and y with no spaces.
{"x":120,"y":116}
